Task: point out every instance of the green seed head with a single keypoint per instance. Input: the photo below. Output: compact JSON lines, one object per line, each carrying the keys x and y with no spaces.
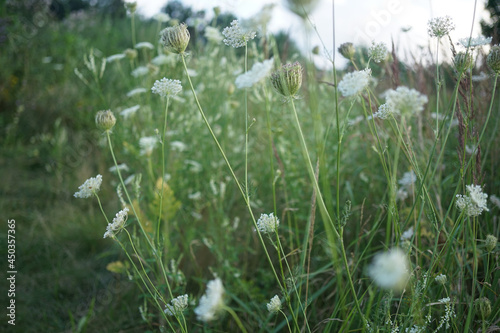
{"x":175,"y":39}
{"x":288,"y":79}
{"x":347,"y":50}
{"x":483,"y":307}
{"x":493,"y":59}
{"x":491,"y":243}
{"x":105,"y":120}
{"x":130,"y":53}
{"x":463,"y":62}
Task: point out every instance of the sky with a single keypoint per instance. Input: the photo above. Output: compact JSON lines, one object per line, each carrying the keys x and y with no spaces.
{"x":356,"y":21}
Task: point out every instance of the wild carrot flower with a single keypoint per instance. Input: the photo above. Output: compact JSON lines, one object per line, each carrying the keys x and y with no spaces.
{"x":236,"y":36}
{"x":212,"y":302}
{"x":274,"y":305}
{"x":405,"y":101}
{"x":140,"y":71}
{"x":131,"y":54}
{"x":128,"y":112}
{"x":474,"y":42}
{"x":355,"y":82}
{"x":389,"y":270}
{"x":495,"y":200}
{"x":378,"y":52}
{"x":491,"y":243}
{"x":118,"y":223}
{"x":440,"y":26}
{"x":493,"y":59}
{"x":161,"y":17}
{"x":463,"y":62}
{"x":441,"y":279}
{"x":144,"y":45}
{"x":167,"y":87}
{"x":90,"y":187}
{"x":105,"y":120}
{"x":259,"y":71}
{"x":175,"y":39}
{"x":267,"y":223}
{"x":177,"y":306}
{"x":147,"y":144}
{"x":288,"y":79}
{"x":136,"y":91}
{"x":474,"y":203}
{"x":384,"y":111}
{"x":213,"y":35}
{"x":115,"y":57}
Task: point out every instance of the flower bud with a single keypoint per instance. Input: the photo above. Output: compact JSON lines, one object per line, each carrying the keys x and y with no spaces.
{"x":491,"y":243}
{"x":441,"y":279}
{"x":347,"y":50}
{"x":493,"y":59}
{"x":175,"y":39}
{"x":315,"y":50}
{"x":463,"y":62}
{"x":105,"y":120}
{"x":483,"y":307}
{"x":216,"y":11}
{"x":288,"y":79}
{"x":131,"y":6}
{"x":131,"y":54}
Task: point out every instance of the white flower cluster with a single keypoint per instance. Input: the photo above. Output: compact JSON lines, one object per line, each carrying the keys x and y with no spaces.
{"x":384,"y":111}
{"x":136,"y":91}
{"x":213,"y":35}
{"x":147,"y":144}
{"x":268,"y":223}
{"x":115,"y":57}
{"x":178,"y":304}
{"x":128,"y":112}
{"x":235,"y":36}
{"x":274,"y":305}
{"x":441,"y":279}
{"x":378,"y":52}
{"x":140,"y":71}
{"x":355,"y":82}
{"x":474,"y":42}
{"x":495,"y":200}
{"x":405,"y":101}
{"x":166,"y":87}
{"x":259,"y":71}
{"x":144,"y":45}
{"x":91,"y":186}
{"x":389,"y":270}
{"x":440,"y":26}
{"x":118,"y":223}
{"x":474,"y":203}
{"x":211,"y":302}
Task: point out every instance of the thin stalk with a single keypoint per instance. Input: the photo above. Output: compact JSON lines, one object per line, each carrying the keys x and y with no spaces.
{"x":438,"y":86}
{"x":246,"y":129}
{"x":236,"y":318}
{"x":162,"y":172}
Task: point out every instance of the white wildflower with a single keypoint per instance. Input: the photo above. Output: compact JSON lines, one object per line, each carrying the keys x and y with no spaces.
{"x":274,"y":305}
{"x":144,"y":45}
{"x":178,"y":145}
{"x":121,"y":167}
{"x":259,"y":71}
{"x":415,"y":329}
{"x":407,"y":234}
{"x":161,"y":59}
{"x":90,"y":187}
{"x":495,"y":200}
{"x":384,"y":111}
{"x":212,"y":302}
{"x":115,"y":57}
{"x":440,"y":26}
{"x":474,"y":203}
{"x":195,"y":196}
{"x":235,"y":36}
{"x":402,"y":194}
{"x":140,"y":71}
{"x":378,"y":52}
{"x":194,"y":166}
{"x":118,"y":222}
{"x":268,"y":223}
{"x":355,"y":82}
{"x":147,"y":144}
{"x":441,"y":279}
{"x":128,"y":112}
{"x":474,"y":42}
{"x":161,"y":17}
{"x":389,"y":270}
{"x":405,"y":101}
{"x":481,"y":77}
{"x":167,"y":87}
{"x":213,"y":35}
{"x":136,"y":91}
{"x":177,"y":306}
{"x":409,"y":178}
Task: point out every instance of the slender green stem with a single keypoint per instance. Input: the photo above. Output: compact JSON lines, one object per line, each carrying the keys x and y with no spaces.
{"x":438,"y":86}
{"x":236,"y":318}
{"x":163,"y":137}
{"x":246,"y":129}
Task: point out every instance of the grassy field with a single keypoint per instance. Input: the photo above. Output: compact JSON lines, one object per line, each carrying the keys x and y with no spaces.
{"x":381,"y":225}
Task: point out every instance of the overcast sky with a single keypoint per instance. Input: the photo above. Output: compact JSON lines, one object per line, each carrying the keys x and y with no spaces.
{"x":356,"y":21}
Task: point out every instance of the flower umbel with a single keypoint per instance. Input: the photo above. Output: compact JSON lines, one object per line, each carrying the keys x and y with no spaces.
{"x":212,"y":302}
{"x":378,"y":52}
{"x":175,"y":39}
{"x":440,"y":26}
{"x":118,"y":222}
{"x":274,"y":305}
{"x":178,"y":304}
{"x":236,"y":36}
{"x":91,"y":186}
{"x":288,"y":79}
{"x":474,"y":203}
{"x":389,"y":270}
{"x":405,"y":101}
{"x":259,"y":71}
{"x":267,"y":223}
{"x":166,"y":87}
{"x":493,"y":59}
{"x":355,"y":82}
{"x":474,"y":42}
